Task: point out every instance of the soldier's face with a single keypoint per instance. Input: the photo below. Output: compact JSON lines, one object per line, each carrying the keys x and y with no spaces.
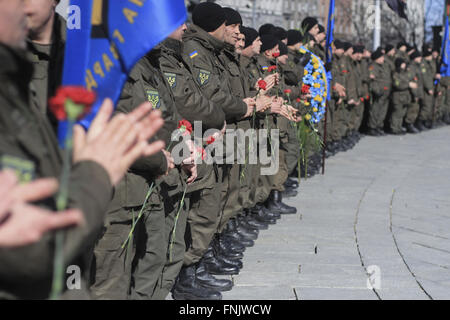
{"x":219,"y":34}
{"x":256,"y":46}
{"x":13,"y":23}
{"x":380,"y":60}
{"x":320,"y":37}
{"x":314,"y":31}
{"x":418,"y":60}
{"x":39,"y":13}
{"x":178,"y":34}
{"x":240,"y":44}
{"x":232,"y":33}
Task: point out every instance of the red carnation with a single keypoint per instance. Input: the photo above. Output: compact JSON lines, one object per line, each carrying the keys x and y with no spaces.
{"x":210,"y":140}
{"x":299,"y":100}
{"x":288,"y":91}
{"x":305,"y":89}
{"x":272,"y":68}
{"x":276,"y":54}
{"x":185,"y":126}
{"x":262,"y":84}
{"x":78,"y":95}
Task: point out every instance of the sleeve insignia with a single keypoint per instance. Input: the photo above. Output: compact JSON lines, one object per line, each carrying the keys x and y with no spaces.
{"x":24,"y":169}
{"x":203,"y":77}
{"x":171,"y":79}
{"x":153,"y":97}
{"x":193,"y":54}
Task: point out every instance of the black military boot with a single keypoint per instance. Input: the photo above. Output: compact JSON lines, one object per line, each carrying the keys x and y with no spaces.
{"x":291,"y":183}
{"x":228,"y":245}
{"x":411,"y":128}
{"x":221,"y":257}
{"x":251,"y":221}
{"x":428,"y":124}
{"x":275,"y":204}
{"x":218,"y":266}
{"x":265,"y":213}
{"x":233,"y":226}
{"x":187,"y":287}
{"x":226,"y":252}
{"x":420,"y":126}
{"x":289,"y":192}
{"x":205,"y":279}
{"x":242,"y":220}
{"x":239,"y":239}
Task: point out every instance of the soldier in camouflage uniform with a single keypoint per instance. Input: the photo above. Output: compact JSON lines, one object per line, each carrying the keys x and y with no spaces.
{"x":380,"y":77}
{"x":413,"y":108}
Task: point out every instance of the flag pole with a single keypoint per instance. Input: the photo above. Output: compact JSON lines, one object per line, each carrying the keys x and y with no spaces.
{"x":377,"y":30}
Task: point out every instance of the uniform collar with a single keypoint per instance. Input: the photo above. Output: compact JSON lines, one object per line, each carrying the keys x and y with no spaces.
{"x":208,"y":41}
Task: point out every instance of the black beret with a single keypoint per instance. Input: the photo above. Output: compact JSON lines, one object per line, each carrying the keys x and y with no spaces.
{"x":232,"y":16}
{"x":388,"y":48}
{"x":280,"y":33}
{"x":415,"y":55}
{"x":427,"y":50}
{"x":402,"y":44}
{"x":250,"y":36}
{"x":268,"y":42}
{"x":294,"y":37}
{"x":283,"y":48}
{"x":358,"y":49}
{"x":347,"y":45}
{"x":308,"y":23}
{"x":208,"y":16}
{"x":266,"y":29}
{"x":377,"y":54}
{"x":338,"y":44}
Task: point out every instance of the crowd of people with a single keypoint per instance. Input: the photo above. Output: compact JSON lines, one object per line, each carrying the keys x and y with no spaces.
{"x":142,"y":225}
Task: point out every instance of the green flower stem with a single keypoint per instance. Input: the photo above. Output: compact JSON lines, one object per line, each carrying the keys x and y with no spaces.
{"x":141,"y":212}
{"x":61,"y":204}
{"x":172,"y":238}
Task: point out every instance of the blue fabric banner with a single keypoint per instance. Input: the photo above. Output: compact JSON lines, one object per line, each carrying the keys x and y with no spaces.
{"x":114,"y":35}
{"x":445,"y":70}
{"x":329,"y":41}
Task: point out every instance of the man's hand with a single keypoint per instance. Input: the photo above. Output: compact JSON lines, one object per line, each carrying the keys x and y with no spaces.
{"x":170,"y":161}
{"x":437,"y":76}
{"x":413,"y":85}
{"x":340,"y":90}
{"x":251,"y":104}
{"x":430,"y":92}
{"x":23,"y":224}
{"x":263,"y":103}
{"x":118,"y":142}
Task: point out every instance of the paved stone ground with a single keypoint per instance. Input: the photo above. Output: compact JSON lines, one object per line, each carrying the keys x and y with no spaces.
{"x":380,"y":215}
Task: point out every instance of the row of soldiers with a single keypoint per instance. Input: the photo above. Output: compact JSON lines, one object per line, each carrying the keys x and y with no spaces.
{"x":169,"y":224}
{"x":163,"y":225}
{"x":393,"y":90}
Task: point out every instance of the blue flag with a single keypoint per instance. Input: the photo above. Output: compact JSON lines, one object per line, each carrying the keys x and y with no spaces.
{"x":445,"y":70}
{"x":114,"y":35}
{"x":329,"y":41}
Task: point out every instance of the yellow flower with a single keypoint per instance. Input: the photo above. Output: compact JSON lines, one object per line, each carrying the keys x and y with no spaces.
{"x":316,"y":85}
{"x":307,"y":103}
{"x":308,"y":117}
{"x":305,"y":72}
{"x":316,"y":74}
{"x":314,"y":60}
{"x":315,"y":109}
{"x":318,"y":98}
{"x":302,"y":51}
{"x":316,"y":66}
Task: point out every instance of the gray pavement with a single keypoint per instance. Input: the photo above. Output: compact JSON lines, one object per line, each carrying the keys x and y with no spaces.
{"x":376,"y":226}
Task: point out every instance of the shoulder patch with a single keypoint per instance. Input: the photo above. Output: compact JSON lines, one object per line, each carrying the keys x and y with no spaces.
{"x":193,"y":54}
{"x":24,"y":169}
{"x":153,"y":97}
{"x":171,"y":79}
{"x":203,"y":77}
{"x":265,"y":68}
